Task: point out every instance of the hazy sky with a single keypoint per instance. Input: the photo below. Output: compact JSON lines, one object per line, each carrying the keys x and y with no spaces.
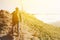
{"x":46,"y":10}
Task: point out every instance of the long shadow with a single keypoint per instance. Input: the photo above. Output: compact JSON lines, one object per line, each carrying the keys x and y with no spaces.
{"x":7,"y":37}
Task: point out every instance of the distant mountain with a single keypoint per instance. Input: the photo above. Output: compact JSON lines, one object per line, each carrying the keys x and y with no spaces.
{"x":57,"y":23}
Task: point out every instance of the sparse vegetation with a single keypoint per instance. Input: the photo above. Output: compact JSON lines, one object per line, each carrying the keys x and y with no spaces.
{"x":30,"y":28}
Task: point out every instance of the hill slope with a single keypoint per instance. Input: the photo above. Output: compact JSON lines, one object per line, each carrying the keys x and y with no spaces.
{"x":34,"y":29}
